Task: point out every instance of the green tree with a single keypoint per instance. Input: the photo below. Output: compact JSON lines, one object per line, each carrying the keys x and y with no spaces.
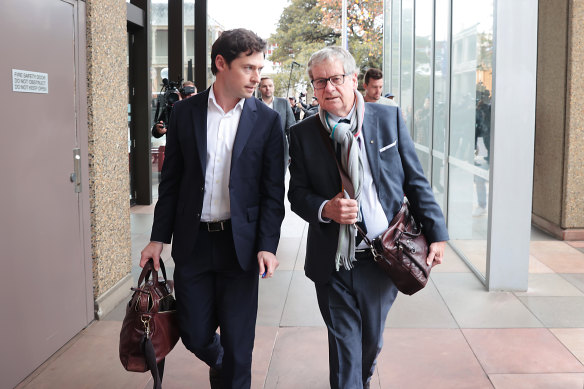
{"x":300,"y":33}
{"x":308,"y":25}
{"x":364,"y":25}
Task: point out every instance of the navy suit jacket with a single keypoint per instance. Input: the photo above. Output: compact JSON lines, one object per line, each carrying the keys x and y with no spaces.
{"x":256,"y":183}
{"x":396,"y":171}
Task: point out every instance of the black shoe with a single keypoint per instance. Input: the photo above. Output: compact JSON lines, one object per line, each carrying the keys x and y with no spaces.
{"x":215,"y":378}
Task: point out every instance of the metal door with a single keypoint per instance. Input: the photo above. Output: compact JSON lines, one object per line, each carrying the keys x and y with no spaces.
{"x":46,"y":291}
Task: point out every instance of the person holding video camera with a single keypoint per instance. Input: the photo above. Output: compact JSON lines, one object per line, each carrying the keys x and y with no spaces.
{"x":187,"y":90}
{"x":311,"y":109}
{"x":295,"y":110}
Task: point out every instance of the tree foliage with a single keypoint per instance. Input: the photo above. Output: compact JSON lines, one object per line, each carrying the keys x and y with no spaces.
{"x":306,"y":26}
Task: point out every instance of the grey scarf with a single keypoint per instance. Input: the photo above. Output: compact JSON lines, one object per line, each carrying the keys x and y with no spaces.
{"x":345,"y":135}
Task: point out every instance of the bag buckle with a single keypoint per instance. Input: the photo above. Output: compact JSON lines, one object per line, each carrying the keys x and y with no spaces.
{"x":146,"y":321}
{"x":376,"y":255}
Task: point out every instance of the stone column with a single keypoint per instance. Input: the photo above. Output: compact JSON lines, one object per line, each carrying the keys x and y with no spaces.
{"x":107,"y":101}
{"x":558,"y":195}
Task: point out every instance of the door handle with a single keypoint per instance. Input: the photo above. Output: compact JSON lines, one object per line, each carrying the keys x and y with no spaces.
{"x":76,"y":175}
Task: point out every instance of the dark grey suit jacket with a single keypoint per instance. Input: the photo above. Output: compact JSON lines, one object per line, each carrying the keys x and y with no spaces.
{"x":282,"y":106}
{"x":396,"y":171}
{"x":256,"y":183}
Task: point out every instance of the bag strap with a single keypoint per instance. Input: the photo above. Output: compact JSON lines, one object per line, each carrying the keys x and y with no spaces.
{"x":150,"y":356}
{"x":156,"y":369}
{"x":368,"y":241}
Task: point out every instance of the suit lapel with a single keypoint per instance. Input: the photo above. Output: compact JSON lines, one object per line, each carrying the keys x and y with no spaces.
{"x":330,"y":165}
{"x":245,"y":128}
{"x":199,"y":116}
{"x":369,"y":129}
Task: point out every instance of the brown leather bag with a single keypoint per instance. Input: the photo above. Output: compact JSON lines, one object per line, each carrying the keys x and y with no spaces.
{"x":150,"y":330}
{"x":401,"y":252}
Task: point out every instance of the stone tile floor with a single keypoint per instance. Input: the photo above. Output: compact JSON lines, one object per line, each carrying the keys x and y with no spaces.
{"x":453,"y":334}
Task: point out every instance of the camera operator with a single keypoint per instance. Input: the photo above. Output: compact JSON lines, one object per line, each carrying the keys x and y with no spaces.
{"x":171,"y":96}
{"x":295,"y":110}
{"x":311,"y":109}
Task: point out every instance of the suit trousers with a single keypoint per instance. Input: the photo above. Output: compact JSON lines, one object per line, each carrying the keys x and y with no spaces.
{"x":213,"y":291}
{"x":354,"y":305}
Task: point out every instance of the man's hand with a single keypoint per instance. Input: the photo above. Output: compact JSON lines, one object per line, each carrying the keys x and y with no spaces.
{"x":160,"y":128}
{"x":341,"y":210}
{"x":436,"y":253}
{"x":152,"y":250}
{"x":268,"y":263}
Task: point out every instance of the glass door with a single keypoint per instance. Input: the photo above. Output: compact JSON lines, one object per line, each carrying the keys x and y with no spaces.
{"x":470,"y":129}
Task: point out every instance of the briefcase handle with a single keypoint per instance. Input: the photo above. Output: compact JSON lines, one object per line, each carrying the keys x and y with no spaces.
{"x":149,"y":269}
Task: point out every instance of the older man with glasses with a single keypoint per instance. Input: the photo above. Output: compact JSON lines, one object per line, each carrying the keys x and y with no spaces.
{"x":374,"y":150}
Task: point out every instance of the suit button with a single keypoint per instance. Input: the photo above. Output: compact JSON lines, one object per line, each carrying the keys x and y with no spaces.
{"x":198,"y":215}
{"x":202,"y":188}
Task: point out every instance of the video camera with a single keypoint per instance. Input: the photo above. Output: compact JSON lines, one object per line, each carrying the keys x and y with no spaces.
{"x":187,"y":90}
{"x":302,"y":97}
{"x":169,"y":94}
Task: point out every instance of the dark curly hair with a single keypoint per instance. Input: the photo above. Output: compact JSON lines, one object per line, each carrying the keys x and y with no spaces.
{"x":233,"y":42}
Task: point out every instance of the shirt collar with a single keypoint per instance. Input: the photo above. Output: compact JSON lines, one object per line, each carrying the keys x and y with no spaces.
{"x":335,"y":118}
{"x":213,"y":100}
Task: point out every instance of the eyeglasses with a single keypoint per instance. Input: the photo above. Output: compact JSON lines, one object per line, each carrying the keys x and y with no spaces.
{"x":320,"y":83}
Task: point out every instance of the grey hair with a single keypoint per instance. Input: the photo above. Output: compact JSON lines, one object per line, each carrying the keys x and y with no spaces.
{"x":332,"y":53}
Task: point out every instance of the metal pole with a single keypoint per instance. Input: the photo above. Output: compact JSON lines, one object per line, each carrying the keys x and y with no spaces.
{"x":290,"y":77}
{"x":345,"y":43}
{"x":200,"y":44}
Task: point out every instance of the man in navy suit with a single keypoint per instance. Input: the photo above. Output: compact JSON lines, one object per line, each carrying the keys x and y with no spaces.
{"x":221,"y":200}
{"x":375,"y":151}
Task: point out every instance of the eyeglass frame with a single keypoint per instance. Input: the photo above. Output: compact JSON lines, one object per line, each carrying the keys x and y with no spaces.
{"x":327,"y":80}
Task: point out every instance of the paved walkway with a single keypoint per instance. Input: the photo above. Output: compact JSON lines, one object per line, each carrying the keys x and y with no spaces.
{"x":453,"y":334}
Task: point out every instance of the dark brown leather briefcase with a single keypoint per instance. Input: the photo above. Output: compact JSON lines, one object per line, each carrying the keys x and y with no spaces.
{"x":401,"y":252}
{"x":149,"y":331}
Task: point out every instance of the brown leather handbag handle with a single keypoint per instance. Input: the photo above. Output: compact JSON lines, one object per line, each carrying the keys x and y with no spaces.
{"x":149,"y":269}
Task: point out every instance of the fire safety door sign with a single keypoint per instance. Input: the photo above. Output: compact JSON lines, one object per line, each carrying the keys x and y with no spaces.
{"x":29,"y":82}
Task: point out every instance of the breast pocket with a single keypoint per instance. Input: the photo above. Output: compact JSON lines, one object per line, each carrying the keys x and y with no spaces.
{"x":389,"y":146}
{"x":389,"y":158}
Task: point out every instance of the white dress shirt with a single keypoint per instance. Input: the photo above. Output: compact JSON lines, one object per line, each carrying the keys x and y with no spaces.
{"x":221,"y":131}
{"x":373,"y":214}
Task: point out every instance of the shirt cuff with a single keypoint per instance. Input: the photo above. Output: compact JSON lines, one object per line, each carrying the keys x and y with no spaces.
{"x":320,"y":218}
